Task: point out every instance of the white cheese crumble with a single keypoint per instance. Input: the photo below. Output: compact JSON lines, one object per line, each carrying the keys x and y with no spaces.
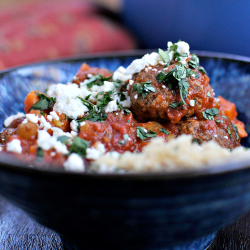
{"x":163,"y":86}
{"x":225,"y":137}
{"x":14,"y":146}
{"x":82,"y":124}
{"x":74,"y":163}
{"x":32,"y":118}
{"x":54,"y":115}
{"x":57,"y":132}
{"x":192,"y":103}
{"x":136,"y":96}
{"x":120,"y":74}
{"x":137,"y":65}
{"x":11,"y":118}
{"x":112,"y":106}
{"x":95,"y":153}
{"x":74,"y":125}
{"x":215,"y":136}
{"x":46,"y":142}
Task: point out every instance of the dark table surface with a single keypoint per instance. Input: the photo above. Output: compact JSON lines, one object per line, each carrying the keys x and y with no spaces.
{"x":19,"y":231}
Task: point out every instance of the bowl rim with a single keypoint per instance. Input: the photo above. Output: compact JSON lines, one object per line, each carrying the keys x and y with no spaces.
{"x":19,"y":167}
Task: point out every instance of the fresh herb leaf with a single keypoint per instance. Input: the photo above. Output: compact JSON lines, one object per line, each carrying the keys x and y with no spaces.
{"x":164,"y":131}
{"x":165,"y":56}
{"x":122,"y":96}
{"x":42,"y":113}
{"x":64,"y":139}
{"x":224,"y":116}
{"x":194,"y":63}
{"x":195,"y":100}
{"x":143,"y":134}
{"x":43,"y":103}
{"x":97,"y":80}
{"x":183,"y":87}
{"x":160,"y":77}
{"x":219,"y":121}
{"x":195,"y":141}
{"x":127,"y":111}
{"x":39,"y":154}
{"x":236,"y":131}
{"x":210,"y":113}
{"x":202,"y":70}
{"x":128,"y":121}
{"x":176,"y":105}
{"x":79,"y":146}
{"x":229,"y":132}
{"x":123,"y":142}
{"x":144,"y":88}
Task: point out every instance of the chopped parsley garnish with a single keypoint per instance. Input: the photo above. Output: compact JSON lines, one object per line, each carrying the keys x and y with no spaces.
{"x":208,"y":94}
{"x":122,"y":96}
{"x":164,"y":131}
{"x":123,"y":142}
{"x":236,"y":131}
{"x":210,"y":113}
{"x":127,"y":111}
{"x":97,"y":80}
{"x":42,"y":113}
{"x":195,"y":141}
{"x":97,"y":113}
{"x":202,"y":70}
{"x":176,"y":105}
{"x":161,"y":77}
{"x":143,"y":133}
{"x":64,"y":139}
{"x":165,"y":56}
{"x":144,"y":88}
{"x":39,"y":154}
{"x":219,"y":121}
{"x":128,"y":121}
{"x":229,"y":132}
{"x":195,"y":100}
{"x":44,"y":102}
{"x":79,"y":146}
{"x":224,"y":116}
{"x":183,"y":87}
{"x":194,"y":63}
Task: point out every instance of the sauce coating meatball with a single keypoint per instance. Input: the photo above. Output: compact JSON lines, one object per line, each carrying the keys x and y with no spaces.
{"x":220,"y":129}
{"x":164,"y":101}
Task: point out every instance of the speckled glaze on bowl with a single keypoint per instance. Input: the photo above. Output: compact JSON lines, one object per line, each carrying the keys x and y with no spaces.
{"x":142,"y":211}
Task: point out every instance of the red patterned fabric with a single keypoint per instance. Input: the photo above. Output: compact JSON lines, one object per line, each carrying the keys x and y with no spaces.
{"x":55,"y":29}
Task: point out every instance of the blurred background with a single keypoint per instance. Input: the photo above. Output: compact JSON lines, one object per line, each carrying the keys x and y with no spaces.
{"x":33,"y":30}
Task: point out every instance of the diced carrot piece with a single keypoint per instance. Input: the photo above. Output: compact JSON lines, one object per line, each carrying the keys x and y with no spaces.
{"x":30,"y":100}
{"x":227,"y":108}
{"x":241,"y":129}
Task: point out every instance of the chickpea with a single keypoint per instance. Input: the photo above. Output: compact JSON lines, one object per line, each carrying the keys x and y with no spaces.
{"x":27,"y":130}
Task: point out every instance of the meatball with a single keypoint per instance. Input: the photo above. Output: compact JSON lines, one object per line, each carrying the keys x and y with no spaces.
{"x":163,"y":100}
{"x":220,"y":129}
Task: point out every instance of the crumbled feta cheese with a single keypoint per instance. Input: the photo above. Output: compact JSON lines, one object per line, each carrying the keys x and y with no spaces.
{"x":136,"y":96}
{"x":112,"y":106}
{"x":67,"y":101}
{"x":53,"y":154}
{"x":14,"y":146}
{"x":57,"y":132}
{"x":11,"y":118}
{"x":32,"y":118}
{"x":74,"y":125}
{"x":120,"y":74}
{"x":225,"y":137}
{"x":95,"y":153}
{"x":82,"y":124}
{"x":163,"y":86}
{"x":46,"y":142}
{"x":215,"y":136}
{"x":182,"y":48}
{"x":193,"y":75}
{"x":146,"y":69}
{"x":192,"y":103}
{"x":49,"y":118}
{"x":154,"y":69}
{"x":74,"y":163}
{"x":73,"y":133}
{"x":25,"y":121}
{"x":137,"y":65}
{"x":44,"y":124}
{"x":89,"y":75}
{"x":127,"y":102}
{"x":54,"y":115}
{"x":131,"y":82}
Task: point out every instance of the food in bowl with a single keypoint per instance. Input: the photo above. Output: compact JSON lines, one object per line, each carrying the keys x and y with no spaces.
{"x":101,"y":118}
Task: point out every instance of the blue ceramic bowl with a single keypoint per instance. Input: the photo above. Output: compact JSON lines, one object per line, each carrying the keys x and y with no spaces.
{"x":141,"y":211}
